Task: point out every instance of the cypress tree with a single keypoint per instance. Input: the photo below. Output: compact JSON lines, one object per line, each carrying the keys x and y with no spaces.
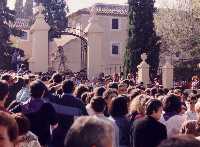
{"x":142,"y":37}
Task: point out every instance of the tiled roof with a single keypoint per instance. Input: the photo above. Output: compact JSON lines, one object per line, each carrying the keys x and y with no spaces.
{"x":104,"y":9}
{"x":111,"y":9}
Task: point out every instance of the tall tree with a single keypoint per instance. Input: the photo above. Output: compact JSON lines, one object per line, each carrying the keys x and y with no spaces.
{"x":28,"y":9}
{"x":142,"y":36}
{"x":19,"y":8}
{"x":7,"y":18}
{"x":55,"y":15}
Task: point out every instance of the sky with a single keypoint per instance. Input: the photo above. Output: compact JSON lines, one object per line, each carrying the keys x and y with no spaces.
{"x":75,"y":5}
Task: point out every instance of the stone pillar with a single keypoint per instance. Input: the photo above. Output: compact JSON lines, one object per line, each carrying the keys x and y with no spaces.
{"x":143,"y":71}
{"x":94,"y":34}
{"x":40,"y":53}
{"x":168,"y":74}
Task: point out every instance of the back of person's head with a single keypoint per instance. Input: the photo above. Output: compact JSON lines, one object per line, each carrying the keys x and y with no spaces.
{"x":57,"y":78}
{"x":98,"y":104}
{"x":138,"y":104}
{"x":153,"y":91}
{"x":89,"y":132}
{"x":113,"y":85}
{"x":180,"y":141}
{"x":109,"y":93}
{"x":118,"y":106}
{"x":6,"y":77}
{"x":80,"y":90}
{"x":22,"y":122}
{"x":190,"y":128}
{"x":4,"y":90}
{"x":152,"y":106}
{"x":172,"y":103}
{"x":8,"y":122}
{"x":68,"y":86}
{"x":99,"y":91}
{"x":37,"y":89}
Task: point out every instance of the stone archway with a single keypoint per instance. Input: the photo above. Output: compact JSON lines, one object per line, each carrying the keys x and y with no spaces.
{"x":84,"y":44}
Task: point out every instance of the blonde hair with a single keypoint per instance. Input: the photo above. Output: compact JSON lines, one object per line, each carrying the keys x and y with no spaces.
{"x":138,"y":104}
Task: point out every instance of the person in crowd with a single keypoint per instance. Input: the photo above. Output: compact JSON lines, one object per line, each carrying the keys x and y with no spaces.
{"x":68,"y":108}
{"x":14,"y":87}
{"x":90,"y":132}
{"x":118,"y":111}
{"x":172,"y":117}
{"x":108,"y":95}
{"x":122,"y":88}
{"x":4,"y":92}
{"x":137,"y":107}
{"x":80,"y":90}
{"x":190,"y":127}
{"x":195,"y":82}
{"x":180,"y":141}
{"x":23,"y":95}
{"x":98,"y":105}
{"x":191,"y":113}
{"x":26,"y":138}
{"x":8,"y":130}
{"x":148,"y":131}
{"x":42,"y":115}
{"x":99,"y":91}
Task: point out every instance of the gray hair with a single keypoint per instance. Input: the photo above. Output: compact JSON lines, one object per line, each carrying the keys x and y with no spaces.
{"x":89,"y":131}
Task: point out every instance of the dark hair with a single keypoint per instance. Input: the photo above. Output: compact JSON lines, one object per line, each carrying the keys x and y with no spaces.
{"x":37,"y":89}
{"x":23,"y":123}
{"x":152,"y":106}
{"x":68,"y":86}
{"x":119,"y":106}
{"x":98,"y":104}
{"x":180,"y":141}
{"x":80,"y":90}
{"x":99,"y":91}
{"x":6,"y":77}
{"x":113,"y":85}
{"x":153,"y":91}
{"x":108,"y":92}
{"x":4,"y":89}
{"x":9,"y":122}
{"x":84,"y":97}
{"x":57,"y":78}
{"x":172,"y":103}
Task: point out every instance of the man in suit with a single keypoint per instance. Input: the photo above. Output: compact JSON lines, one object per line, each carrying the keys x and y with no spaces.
{"x":149,"y":132}
{"x":68,"y":108}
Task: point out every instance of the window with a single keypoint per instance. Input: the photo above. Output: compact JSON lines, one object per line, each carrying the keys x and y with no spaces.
{"x":115,"y":24}
{"x":115,"y":49}
{"x":24,"y":36}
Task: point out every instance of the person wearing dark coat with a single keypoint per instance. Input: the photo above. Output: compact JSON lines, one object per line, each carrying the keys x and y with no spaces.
{"x":148,"y":131}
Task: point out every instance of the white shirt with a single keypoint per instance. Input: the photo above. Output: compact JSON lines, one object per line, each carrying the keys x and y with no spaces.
{"x":173,"y":124}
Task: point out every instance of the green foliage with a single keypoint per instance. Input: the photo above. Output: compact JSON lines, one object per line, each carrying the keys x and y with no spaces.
{"x":55,"y":16}
{"x":142,"y":37}
{"x":7,"y":16}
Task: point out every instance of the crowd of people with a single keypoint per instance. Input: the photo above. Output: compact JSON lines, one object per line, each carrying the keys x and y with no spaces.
{"x":56,"y":110}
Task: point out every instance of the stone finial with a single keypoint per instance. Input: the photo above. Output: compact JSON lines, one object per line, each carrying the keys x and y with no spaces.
{"x":40,"y":8}
{"x":144,"y":57}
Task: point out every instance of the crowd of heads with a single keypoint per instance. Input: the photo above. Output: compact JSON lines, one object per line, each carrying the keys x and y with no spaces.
{"x":105,"y":110}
